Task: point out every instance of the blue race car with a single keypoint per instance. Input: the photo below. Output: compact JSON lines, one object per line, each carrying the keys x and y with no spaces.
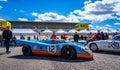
{"x":55,"y":47}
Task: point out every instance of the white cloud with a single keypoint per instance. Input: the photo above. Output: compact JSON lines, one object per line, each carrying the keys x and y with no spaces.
{"x":50,"y":16}
{"x":4,"y":0}
{"x":34,"y":14}
{"x":107,"y":25}
{"x":118,"y":18}
{"x":101,"y":27}
{"x":72,"y":18}
{"x":93,"y":11}
{"x":1,"y":19}
{"x":86,"y":16}
{"x":117,"y":23}
{"x":1,"y":7}
{"x":99,"y":10}
{"x":109,"y":1}
{"x":87,"y":2}
{"x":91,"y":26}
{"x":22,"y":19}
{"x":20,"y":11}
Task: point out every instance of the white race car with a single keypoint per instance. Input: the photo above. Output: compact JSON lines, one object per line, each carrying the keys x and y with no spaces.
{"x":112,"y":44}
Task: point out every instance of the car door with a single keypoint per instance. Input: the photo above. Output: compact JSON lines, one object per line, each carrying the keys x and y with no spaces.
{"x":105,"y":45}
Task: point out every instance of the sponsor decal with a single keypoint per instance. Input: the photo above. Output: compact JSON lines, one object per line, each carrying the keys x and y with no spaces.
{"x":51,"y":49}
{"x":115,"y":45}
{"x":82,"y":26}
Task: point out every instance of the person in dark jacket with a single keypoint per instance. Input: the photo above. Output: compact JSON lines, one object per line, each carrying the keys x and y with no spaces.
{"x":115,"y":33}
{"x":76,"y":37}
{"x":98,"y":36}
{"x":106,"y":36}
{"x":102,"y":36}
{"x":7,"y":35}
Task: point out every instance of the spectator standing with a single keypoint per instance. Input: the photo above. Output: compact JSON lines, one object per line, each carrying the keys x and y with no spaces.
{"x":7,"y":35}
{"x":89,"y":37}
{"x":115,"y":33}
{"x":76,"y":37}
{"x":64,"y":37}
{"x":95,"y":36}
{"x":106,"y":36}
{"x":102,"y":36}
{"x":81,"y":37}
{"x":98,"y":36}
{"x":37,"y":38}
{"x":53,"y":36}
{"x":85,"y":37}
{"x":22,"y":37}
{"x":34,"y":37}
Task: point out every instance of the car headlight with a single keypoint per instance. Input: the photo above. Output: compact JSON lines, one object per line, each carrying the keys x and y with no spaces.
{"x":84,"y":49}
{"x":81,"y":49}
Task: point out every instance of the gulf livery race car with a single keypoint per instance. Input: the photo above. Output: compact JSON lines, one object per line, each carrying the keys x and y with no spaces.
{"x":55,"y":48}
{"x":112,"y":44}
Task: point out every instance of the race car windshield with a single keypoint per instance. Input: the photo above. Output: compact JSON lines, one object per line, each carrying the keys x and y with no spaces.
{"x":65,"y":41}
{"x":116,"y":38}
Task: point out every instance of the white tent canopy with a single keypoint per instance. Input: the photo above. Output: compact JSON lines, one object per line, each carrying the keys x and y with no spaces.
{"x":72,"y":31}
{"x":47,"y":31}
{"x":105,"y":31}
{"x":84,"y":32}
{"x":93,"y":31}
{"x":109,"y":31}
{"x":24,"y":32}
{"x":61,"y":31}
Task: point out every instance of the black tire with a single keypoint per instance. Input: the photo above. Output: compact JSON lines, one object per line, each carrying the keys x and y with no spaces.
{"x":68,"y":52}
{"x":26,"y":50}
{"x":93,"y":47}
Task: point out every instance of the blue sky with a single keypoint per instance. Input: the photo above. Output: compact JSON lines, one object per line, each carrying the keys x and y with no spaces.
{"x":102,"y":14}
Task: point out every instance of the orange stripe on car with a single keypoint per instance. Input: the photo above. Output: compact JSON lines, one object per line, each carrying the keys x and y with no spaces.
{"x":84,"y":56}
{"x":90,"y":55}
{"x":41,"y":52}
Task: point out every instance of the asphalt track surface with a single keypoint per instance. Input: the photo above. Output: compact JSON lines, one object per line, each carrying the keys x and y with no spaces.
{"x":16,"y":61}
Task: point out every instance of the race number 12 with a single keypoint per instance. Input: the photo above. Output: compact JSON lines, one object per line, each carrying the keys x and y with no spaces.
{"x":51,"y":49}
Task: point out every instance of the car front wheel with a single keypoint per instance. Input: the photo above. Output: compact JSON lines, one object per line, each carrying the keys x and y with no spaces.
{"x":26,"y":50}
{"x":68,"y":52}
{"x":93,"y":47}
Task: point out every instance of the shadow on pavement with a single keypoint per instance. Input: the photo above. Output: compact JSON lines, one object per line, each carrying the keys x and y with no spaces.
{"x":109,"y":53}
{"x":2,"y":53}
{"x":59,"y":59}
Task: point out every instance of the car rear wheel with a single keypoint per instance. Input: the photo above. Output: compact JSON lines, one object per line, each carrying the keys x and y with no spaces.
{"x":68,"y":52}
{"x":26,"y":50}
{"x":93,"y":47}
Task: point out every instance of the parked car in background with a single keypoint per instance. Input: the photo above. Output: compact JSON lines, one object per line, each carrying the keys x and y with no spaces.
{"x":112,"y":44}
